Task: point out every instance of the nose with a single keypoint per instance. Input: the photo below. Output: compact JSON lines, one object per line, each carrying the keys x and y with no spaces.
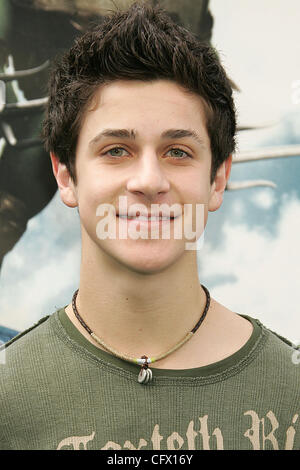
{"x":148,"y":177}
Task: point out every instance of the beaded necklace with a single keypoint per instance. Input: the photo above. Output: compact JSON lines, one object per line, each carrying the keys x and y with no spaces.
{"x":145,"y":374}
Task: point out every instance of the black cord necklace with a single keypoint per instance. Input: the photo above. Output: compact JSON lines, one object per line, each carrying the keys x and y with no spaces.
{"x":145,"y":374}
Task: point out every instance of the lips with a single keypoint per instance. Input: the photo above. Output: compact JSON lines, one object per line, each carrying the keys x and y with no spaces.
{"x":143,"y":217}
{"x":146,"y":216}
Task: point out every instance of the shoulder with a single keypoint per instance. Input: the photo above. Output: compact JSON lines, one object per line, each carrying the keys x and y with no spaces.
{"x":27,"y":338}
{"x":25,"y":333}
{"x":279,"y":343}
{"x":280,"y":360}
{"x":25,"y":352}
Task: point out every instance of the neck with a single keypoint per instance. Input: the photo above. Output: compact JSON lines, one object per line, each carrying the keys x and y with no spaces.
{"x":138,"y":313}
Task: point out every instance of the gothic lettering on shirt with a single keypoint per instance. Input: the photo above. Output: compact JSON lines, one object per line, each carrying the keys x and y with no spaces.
{"x":262,"y":434}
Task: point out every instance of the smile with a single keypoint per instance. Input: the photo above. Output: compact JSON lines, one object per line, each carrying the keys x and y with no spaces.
{"x":146,"y":222}
{"x":143,"y":218}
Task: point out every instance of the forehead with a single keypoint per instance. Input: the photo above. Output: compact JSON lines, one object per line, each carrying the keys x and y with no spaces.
{"x":149,"y":107}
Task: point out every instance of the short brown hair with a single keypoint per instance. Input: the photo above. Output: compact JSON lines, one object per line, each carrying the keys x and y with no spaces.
{"x":142,"y":43}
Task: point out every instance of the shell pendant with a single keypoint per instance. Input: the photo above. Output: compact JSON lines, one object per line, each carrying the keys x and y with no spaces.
{"x":145,"y":375}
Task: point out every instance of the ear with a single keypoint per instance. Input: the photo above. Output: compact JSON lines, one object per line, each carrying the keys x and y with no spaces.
{"x":64,"y":181}
{"x":219,"y":185}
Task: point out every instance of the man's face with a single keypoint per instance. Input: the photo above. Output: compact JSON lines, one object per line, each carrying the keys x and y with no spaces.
{"x":146,"y":163}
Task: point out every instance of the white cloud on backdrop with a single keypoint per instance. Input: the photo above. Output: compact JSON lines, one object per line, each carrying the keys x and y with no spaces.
{"x":42,"y":287}
{"x":267,"y":282}
{"x":264,"y":199}
{"x":259,"y":43}
{"x":42,"y":267}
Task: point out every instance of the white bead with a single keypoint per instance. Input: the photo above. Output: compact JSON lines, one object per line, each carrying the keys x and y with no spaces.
{"x":141,"y":361}
{"x":142,"y":376}
{"x":145,"y":376}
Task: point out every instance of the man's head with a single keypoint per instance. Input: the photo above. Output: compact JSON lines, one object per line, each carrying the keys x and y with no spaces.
{"x":137,"y":109}
{"x":143,"y":44}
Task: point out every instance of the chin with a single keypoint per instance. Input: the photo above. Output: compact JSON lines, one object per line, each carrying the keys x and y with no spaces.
{"x":147,"y":268}
{"x":147,"y":260}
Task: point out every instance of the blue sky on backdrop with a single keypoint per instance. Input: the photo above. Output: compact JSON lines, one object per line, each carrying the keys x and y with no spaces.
{"x":250,"y":259}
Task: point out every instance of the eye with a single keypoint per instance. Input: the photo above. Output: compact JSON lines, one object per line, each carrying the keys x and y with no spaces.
{"x":179,"y":154}
{"x":117,"y":152}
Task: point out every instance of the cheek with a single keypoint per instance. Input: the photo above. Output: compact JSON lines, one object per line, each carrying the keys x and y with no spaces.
{"x":196,"y":205}
{"x":93,"y":194}
{"x":197,"y":192}
{"x":94,"y":189}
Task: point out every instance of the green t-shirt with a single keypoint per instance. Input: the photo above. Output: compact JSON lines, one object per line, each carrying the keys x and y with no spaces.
{"x":59,"y":391}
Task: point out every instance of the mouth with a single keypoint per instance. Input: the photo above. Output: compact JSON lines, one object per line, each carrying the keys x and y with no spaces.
{"x":141,"y":218}
{"x":146,"y":220}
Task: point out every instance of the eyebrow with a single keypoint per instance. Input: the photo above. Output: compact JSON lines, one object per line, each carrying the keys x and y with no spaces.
{"x":132,"y":134}
{"x":181,"y":133}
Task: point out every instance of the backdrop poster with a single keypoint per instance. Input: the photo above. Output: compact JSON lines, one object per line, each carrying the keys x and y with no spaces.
{"x":250,"y":256}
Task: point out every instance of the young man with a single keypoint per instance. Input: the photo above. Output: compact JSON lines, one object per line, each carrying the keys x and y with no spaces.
{"x":141,"y":123}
